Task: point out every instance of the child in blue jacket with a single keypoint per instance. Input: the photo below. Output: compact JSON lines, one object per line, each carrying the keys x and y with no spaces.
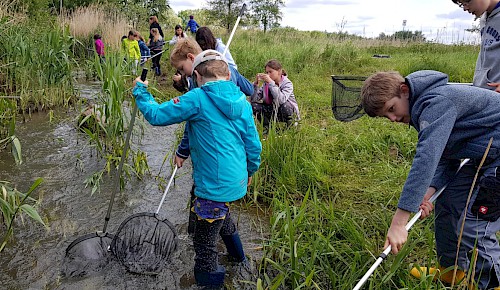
{"x":192,"y":25}
{"x":453,"y":122}
{"x":144,"y":49}
{"x":225,"y":151}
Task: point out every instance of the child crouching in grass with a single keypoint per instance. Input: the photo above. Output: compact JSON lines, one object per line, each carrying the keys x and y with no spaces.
{"x":225,"y":150}
{"x":453,"y":122}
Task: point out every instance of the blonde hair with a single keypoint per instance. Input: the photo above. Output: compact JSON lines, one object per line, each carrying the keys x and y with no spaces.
{"x":156,"y":34}
{"x":182,"y":48}
{"x":154,"y":19}
{"x":380,"y":88}
{"x":139,"y":35}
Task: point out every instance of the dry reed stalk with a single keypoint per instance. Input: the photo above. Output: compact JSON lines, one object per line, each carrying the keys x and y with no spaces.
{"x":465,"y":210}
{"x":84,"y":22}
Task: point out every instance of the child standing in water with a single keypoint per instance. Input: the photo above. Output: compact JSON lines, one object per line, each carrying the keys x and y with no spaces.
{"x":225,"y":150}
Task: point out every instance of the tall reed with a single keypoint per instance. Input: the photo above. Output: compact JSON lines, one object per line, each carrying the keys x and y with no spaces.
{"x":84,"y":22}
{"x":106,"y":122}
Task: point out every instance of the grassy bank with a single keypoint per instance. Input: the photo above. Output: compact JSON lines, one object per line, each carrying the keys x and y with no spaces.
{"x":334,"y":186}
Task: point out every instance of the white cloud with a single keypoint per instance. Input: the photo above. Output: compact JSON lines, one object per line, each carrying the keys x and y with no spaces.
{"x":435,"y":18}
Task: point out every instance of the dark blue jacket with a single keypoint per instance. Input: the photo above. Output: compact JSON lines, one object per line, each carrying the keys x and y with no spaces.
{"x":192,"y":25}
{"x":144,"y":49}
{"x":453,"y":122}
{"x":245,"y":86}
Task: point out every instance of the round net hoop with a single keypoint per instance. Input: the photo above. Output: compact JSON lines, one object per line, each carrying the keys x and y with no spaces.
{"x":89,"y":253}
{"x":143,"y":243}
{"x":346,"y":97}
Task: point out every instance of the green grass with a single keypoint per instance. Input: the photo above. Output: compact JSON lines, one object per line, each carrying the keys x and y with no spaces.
{"x":331,"y":187}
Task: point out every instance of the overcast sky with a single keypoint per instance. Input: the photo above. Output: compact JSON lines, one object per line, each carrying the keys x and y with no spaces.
{"x":439,"y":20}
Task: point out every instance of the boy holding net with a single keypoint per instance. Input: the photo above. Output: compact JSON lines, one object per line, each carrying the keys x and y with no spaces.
{"x":453,"y":122}
{"x":225,"y":150}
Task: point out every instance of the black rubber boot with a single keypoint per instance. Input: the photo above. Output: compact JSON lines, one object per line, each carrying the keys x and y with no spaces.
{"x":210,"y":280}
{"x":234,"y":247}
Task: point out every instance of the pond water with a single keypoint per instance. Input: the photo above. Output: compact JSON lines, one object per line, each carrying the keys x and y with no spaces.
{"x":63,"y":157}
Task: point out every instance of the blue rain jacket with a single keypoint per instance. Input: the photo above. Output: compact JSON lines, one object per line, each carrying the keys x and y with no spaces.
{"x":224,"y":143}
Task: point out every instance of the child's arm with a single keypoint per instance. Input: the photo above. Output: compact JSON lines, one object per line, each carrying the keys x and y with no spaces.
{"x":245,"y":86}
{"x":397,"y":233}
{"x":253,"y":147}
{"x":281,"y":93}
{"x":137,"y":51}
{"x":183,"y":148}
{"x":179,"y":109}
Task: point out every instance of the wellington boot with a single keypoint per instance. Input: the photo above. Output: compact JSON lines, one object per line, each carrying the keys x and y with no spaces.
{"x":441,"y":274}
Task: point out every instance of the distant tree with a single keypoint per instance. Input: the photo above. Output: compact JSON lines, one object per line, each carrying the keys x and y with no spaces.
{"x":267,"y":12}
{"x":224,"y":12}
{"x":404,"y":35}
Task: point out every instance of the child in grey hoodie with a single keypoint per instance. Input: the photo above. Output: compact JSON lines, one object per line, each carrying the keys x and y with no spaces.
{"x":453,"y":122}
{"x":487,"y":73}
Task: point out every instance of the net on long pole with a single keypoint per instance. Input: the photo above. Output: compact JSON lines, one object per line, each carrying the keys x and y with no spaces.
{"x":144,"y":242}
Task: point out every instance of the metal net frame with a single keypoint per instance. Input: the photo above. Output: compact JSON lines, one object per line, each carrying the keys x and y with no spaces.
{"x":144,"y":242}
{"x":346,"y":97}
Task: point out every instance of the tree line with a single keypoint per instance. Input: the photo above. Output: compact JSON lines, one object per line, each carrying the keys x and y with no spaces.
{"x":264,"y":13}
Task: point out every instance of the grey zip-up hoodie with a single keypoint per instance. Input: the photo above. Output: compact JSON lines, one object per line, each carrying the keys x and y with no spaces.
{"x":453,"y":122}
{"x":488,"y":62}
{"x":280,"y":94}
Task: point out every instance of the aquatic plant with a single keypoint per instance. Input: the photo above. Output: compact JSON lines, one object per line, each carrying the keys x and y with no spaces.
{"x":14,"y":203}
{"x":106,"y":122}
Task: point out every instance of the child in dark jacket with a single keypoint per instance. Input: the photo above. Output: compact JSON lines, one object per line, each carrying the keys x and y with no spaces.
{"x":192,"y":25}
{"x":145,"y":52}
{"x":453,"y":122}
{"x":222,"y":169}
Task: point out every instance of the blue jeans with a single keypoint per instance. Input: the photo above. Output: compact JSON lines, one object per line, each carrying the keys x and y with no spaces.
{"x":478,"y":233}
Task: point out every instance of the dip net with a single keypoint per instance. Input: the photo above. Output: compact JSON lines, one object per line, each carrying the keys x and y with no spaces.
{"x":346,"y":97}
{"x":144,"y":242}
{"x":87,"y":254}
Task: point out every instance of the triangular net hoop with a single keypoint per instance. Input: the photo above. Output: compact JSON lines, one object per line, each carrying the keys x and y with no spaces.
{"x":143,"y":243}
{"x":346,"y":97}
{"x":87,"y":254}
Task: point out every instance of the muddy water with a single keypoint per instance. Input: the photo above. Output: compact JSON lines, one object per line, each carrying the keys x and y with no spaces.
{"x":63,"y":157}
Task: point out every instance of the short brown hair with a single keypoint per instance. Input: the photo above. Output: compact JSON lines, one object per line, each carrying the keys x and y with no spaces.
{"x":182,"y":48}
{"x":378,"y":89}
{"x":213,"y":68}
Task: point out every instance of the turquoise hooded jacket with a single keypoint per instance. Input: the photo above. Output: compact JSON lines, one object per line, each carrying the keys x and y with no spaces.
{"x":225,"y":146}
